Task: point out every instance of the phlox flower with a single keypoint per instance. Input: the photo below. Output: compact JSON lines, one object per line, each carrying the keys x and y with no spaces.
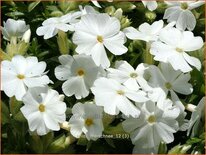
{"x":87,"y":119}
{"x":20,"y":73}
{"x":79,"y":72}
{"x":93,"y":35}
{"x":180,"y":12}
{"x":115,"y":97}
{"x":14,"y":29}
{"x":157,"y":122}
{"x":51,"y":26}
{"x":171,"y":81}
{"x":43,"y":109}
{"x":175,"y":51}
{"x":130,"y":77}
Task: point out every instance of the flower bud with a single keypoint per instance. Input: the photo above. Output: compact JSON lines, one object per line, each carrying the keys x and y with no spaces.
{"x":118,"y":13}
{"x":150,"y":16}
{"x":190,"y":107}
{"x":110,"y":10}
{"x":27,"y":35}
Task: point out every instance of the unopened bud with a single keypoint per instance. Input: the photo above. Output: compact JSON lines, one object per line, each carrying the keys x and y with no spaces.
{"x":27,"y":35}
{"x":190,"y":107}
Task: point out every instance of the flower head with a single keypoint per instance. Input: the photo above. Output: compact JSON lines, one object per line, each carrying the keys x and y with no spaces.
{"x":130,"y":77}
{"x":171,"y":81}
{"x":79,"y":71}
{"x":174,"y":51}
{"x":14,"y":28}
{"x":87,"y":119}
{"x":119,"y":97}
{"x":43,"y":109}
{"x":51,"y":26}
{"x":180,"y":12}
{"x":21,"y":73}
{"x":92,"y":35}
{"x":157,"y":122}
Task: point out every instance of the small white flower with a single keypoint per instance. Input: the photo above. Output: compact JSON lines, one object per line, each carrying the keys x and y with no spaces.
{"x":170,"y":81}
{"x":146,"y":32}
{"x":151,"y":5}
{"x":92,"y":35}
{"x":51,"y":26}
{"x":79,"y":72}
{"x":157,"y":122}
{"x":115,"y":97}
{"x":43,"y":109}
{"x":197,"y":119}
{"x":14,"y":29}
{"x":21,"y":73}
{"x":87,"y":118}
{"x":181,"y":13}
{"x":175,"y":50}
{"x":130,"y":77}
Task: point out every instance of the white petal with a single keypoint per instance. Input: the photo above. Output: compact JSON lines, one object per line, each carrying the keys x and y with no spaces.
{"x":20,"y":64}
{"x":186,"y":20}
{"x":50,"y":122}
{"x":178,"y":62}
{"x":181,"y":84}
{"x":192,"y":61}
{"x":126,"y":107}
{"x":115,"y":44}
{"x":37,"y":81}
{"x":62,"y":72}
{"x":99,"y":56}
{"x":75,"y":86}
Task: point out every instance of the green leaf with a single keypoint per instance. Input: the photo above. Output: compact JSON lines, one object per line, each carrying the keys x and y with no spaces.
{"x":33,"y":5}
{"x":5,"y":116}
{"x":14,"y":106}
{"x":36,"y":144}
{"x":20,"y":117}
{"x":110,"y":142}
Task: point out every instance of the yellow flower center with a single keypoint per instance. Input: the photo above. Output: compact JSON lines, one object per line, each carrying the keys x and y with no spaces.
{"x":80,"y":72}
{"x":133,"y":75}
{"x":151,"y":119}
{"x":100,"y":39}
{"x":168,"y":85}
{"x":89,"y":121}
{"x":120,"y":92}
{"x":20,"y":76}
{"x":184,"y":6}
{"x":179,"y":50}
{"x":41,"y":107}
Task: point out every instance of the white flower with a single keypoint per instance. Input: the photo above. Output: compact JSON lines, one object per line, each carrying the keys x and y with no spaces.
{"x":115,"y":97}
{"x":171,"y":81}
{"x":151,"y":5}
{"x":146,"y":31}
{"x":157,"y":122}
{"x":130,"y":77}
{"x":51,"y":26}
{"x":21,"y":73}
{"x":92,"y":35}
{"x":79,"y":72}
{"x":197,"y":119}
{"x":173,"y":47}
{"x":181,"y":13}
{"x":43,"y":109}
{"x":14,"y":29}
{"x":87,"y":118}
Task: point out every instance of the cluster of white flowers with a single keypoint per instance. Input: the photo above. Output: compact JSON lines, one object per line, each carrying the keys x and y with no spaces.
{"x":146,"y":95}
